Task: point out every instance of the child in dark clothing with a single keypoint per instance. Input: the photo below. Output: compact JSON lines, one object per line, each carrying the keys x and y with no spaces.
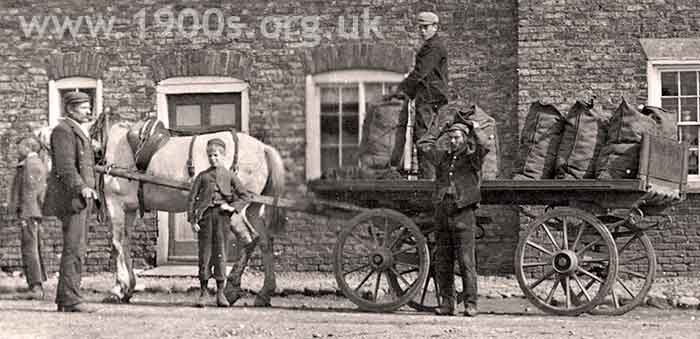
{"x":26,"y":198}
{"x":216,"y":194}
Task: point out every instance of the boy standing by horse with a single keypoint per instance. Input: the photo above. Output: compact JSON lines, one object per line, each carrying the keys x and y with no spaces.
{"x":216,"y":200}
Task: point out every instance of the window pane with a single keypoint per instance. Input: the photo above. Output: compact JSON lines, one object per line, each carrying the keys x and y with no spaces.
{"x":350,"y":156}
{"x":690,"y":135}
{"x":223,"y":114}
{"x":351,"y":130}
{"x":329,"y":158}
{"x":188,"y":115}
{"x":693,"y":162}
{"x":329,"y":130}
{"x":689,"y":109}
{"x":670,"y":104}
{"x":669,"y":83}
{"x":330,"y":100}
{"x":688,"y":83}
{"x":350,"y":98}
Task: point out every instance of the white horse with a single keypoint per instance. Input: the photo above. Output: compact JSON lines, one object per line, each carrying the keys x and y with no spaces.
{"x":260,"y":169}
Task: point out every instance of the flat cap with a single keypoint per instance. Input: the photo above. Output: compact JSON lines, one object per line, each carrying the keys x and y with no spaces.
{"x":459,"y":127}
{"x":216,"y":142}
{"x":71,"y":98}
{"x":427,"y":18}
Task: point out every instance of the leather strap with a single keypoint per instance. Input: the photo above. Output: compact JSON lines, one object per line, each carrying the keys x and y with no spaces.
{"x":234,"y":167}
{"x":190,"y":165}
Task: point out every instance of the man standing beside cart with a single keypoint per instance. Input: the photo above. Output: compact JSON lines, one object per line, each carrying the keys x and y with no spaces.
{"x":457,"y":197}
{"x":426,"y":84}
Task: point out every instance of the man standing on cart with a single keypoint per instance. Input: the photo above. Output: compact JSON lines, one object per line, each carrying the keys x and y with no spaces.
{"x":426,"y":84}
{"x":458,"y":171}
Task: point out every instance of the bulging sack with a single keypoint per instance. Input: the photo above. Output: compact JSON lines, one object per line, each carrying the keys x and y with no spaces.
{"x":618,"y":161}
{"x":665,"y":121}
{"x":380,"y":133}
{"x":584,"y":135}
{"x":627,"y":125}
{"x":539,"y":142}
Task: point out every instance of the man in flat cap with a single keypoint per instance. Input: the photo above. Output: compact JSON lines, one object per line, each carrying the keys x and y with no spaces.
{"x":71,"y":194}
{"x":427,"y":83}
{"x":456,"y":200}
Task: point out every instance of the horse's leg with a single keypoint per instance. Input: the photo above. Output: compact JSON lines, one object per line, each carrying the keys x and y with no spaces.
{"x":122,"y":221}
{"x":233,"y":285}
{"x":270,"y":284}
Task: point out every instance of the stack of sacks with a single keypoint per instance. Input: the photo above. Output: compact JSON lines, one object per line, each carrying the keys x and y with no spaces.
{"x":539,"y":143}
{"x":583,"y":137}
{"x":487,"y":126}
{"x":619,"y":158}
{"x":381,"y":134}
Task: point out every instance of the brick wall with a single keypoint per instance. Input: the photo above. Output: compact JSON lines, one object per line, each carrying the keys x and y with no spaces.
{"x":570,"y":49}
{"x":481,"y":47}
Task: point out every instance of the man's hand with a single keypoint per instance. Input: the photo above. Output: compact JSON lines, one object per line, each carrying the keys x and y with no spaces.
{"x":89,"y":193}
{"x":195,"y":227}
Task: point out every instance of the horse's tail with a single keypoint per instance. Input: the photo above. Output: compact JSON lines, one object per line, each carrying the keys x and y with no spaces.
{"x":275,"y":186}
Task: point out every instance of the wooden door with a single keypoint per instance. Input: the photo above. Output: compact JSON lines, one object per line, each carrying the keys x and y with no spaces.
{"x":195,"y":112}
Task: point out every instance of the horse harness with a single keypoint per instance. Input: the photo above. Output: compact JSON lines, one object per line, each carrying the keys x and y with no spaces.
{"x":153,"y":135}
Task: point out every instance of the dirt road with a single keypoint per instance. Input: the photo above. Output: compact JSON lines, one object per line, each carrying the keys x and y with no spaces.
{"x":294,"y":317}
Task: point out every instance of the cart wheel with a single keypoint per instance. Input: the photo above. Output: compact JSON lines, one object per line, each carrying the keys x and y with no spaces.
{"x":567,"y":261}
{"x":635,"y":274}
{"x":381,"y":260}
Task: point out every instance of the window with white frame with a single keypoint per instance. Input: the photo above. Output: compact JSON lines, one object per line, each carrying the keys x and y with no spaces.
{"x":676,"y":88}
{"x":336,"y":103}
{"x":57,"y":88}
{"x":679,"y":94}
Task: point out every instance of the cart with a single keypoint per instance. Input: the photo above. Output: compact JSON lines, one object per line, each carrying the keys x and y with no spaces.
{"x":571,"y":259}
{"x":587,"y":250}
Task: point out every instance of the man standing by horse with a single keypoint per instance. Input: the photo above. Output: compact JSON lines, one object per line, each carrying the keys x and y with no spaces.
{"x":426,"y":84}
{"x":71,"y":196}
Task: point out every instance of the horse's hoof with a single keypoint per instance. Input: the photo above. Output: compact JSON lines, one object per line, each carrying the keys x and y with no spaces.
{"x":232,"y":295}
{"x":262,"y":302}
{"x":113,"y":299}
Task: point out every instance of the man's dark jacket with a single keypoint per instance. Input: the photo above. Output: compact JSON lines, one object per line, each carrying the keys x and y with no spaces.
{"x":461,"y":169}
{"x":72,"y":170}
{"x":212,"y":187}
{"x":427,"y":83}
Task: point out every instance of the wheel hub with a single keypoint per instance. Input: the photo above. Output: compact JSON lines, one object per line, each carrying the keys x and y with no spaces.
{"x":381,"y":259}
{"x":565,"y":262}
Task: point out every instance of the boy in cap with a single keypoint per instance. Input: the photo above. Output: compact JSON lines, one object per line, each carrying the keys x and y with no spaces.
{"x":216,"y":200}
{"x":456,"y":200}
{"x":26,"y":201}
{"x":426,"y":84}
{"x":71,"y":195}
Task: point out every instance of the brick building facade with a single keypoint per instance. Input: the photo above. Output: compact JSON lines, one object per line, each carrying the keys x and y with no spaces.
{"x":502,"y":55}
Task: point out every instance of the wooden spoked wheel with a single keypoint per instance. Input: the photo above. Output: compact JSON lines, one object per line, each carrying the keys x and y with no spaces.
{"x":567,"y":261}
{"x":381,"y":260}
{"x":635,"y":274}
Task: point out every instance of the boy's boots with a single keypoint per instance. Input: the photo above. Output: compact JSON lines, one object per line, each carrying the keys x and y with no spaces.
{"x":221,"y":300}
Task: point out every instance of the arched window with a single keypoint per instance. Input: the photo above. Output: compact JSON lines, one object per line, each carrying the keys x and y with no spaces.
{"x":335,"y":109}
